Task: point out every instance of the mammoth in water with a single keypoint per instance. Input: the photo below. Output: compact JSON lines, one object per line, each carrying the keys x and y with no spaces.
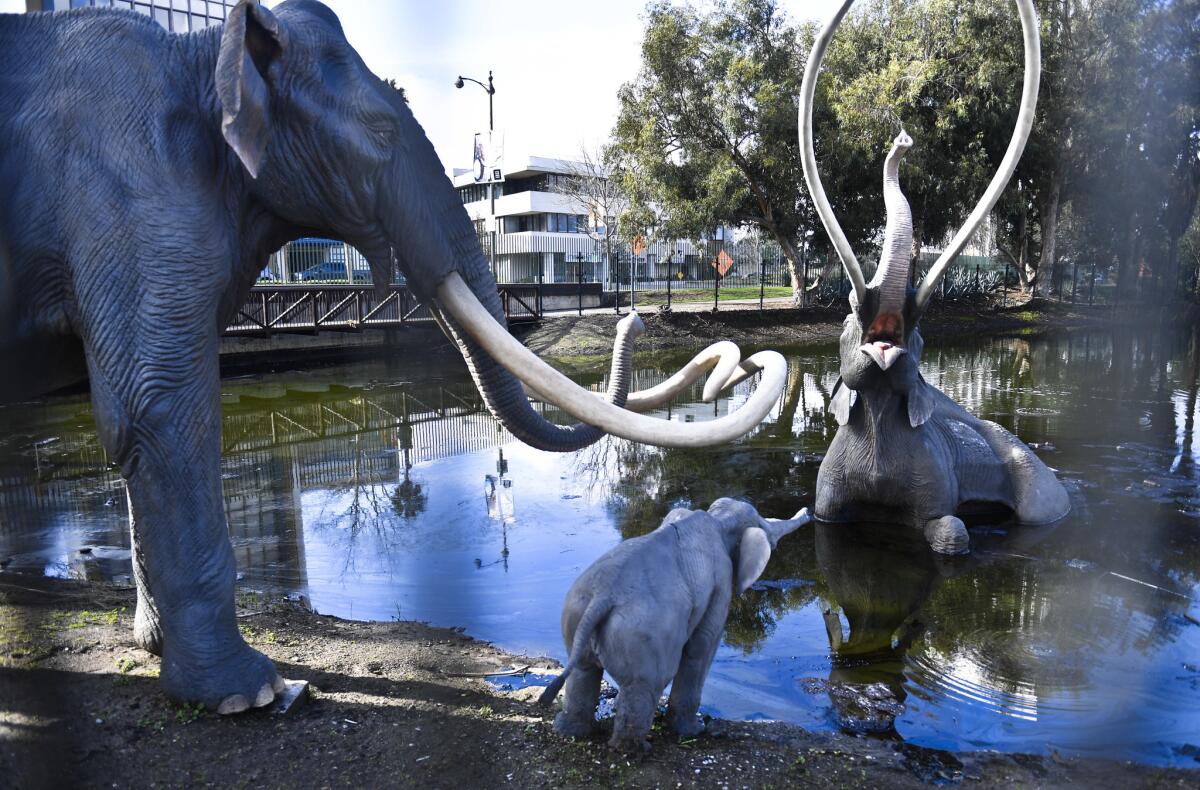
{"x":133,"y":225}
{"x":902,"y":445}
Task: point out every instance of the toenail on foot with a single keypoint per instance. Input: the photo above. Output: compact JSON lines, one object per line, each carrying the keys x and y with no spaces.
{"x":279,"y":684}
{"x":235,"y":703}
{"x":265,"y":695}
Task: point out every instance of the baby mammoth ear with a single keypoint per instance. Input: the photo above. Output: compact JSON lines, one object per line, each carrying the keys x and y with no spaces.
{"x":251,"y":40}
{"x":753,"y":552}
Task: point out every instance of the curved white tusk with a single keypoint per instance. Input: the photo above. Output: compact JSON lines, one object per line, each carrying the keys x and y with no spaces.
{"x":723,"y":357}
{"x":1016,"y":146}
{"x":808,"y":158}
{"x":456,"y":298}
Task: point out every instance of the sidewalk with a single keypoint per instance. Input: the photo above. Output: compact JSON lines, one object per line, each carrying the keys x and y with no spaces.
{"x":770,"y":303}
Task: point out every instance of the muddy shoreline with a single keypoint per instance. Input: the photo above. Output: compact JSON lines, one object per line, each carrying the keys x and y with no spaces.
{"x":590,"y":335}
{"x":395,"y":704}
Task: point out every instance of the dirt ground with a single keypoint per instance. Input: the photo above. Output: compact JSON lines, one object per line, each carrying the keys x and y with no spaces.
{"x":394,"y":705}
{"x":569,"y":336}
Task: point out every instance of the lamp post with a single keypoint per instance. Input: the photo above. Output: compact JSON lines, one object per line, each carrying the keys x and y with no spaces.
{"x":491,"y":92}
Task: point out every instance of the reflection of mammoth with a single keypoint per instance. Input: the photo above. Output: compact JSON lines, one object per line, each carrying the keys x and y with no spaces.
{"x":132,"y":229}
{"x":879,"y":579}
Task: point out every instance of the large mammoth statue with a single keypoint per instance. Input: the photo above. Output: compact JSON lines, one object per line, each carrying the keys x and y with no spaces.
{"x":146,"y":177}
{"x":903,"y":446}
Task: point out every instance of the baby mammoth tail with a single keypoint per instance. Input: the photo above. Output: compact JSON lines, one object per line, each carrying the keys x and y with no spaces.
{"x":597,"y":609}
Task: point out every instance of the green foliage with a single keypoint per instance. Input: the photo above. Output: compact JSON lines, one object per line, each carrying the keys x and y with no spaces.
{"x":707,"y":131}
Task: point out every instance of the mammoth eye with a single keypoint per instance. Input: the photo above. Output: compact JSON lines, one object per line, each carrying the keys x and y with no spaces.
{"x":383,"y":130}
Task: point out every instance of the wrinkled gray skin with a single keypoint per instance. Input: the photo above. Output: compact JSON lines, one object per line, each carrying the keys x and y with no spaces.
{"x":651,"y":612}
{"x":146,"y":178}
{"x":905,"y":450}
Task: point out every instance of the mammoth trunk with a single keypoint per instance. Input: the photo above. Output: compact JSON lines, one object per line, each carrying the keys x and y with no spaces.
{"x":892,"y":276}
{"x":504,"y":395}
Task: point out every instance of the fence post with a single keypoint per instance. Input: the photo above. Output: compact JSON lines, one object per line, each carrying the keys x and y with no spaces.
{"x":762,"y":284}
{"x":977,"y":279}
{"x":1004,"y":298}
{"x":579,"y":285}
{"x":716,"y":264}
{"x":541,"y":284}
{"x":492,"y":255}
{"x":632,"y":278}
{"x":670,"y":276}
{"x":1092,"y":285}
{"x":1074,"y":279}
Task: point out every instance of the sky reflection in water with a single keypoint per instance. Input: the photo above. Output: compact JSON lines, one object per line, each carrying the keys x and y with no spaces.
{"x":380,"y":492}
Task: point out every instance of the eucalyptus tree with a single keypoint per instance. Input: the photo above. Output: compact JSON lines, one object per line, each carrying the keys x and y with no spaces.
{"x":707,"y":128}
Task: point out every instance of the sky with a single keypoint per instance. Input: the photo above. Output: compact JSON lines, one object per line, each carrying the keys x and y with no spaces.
{"x":557,"y":65}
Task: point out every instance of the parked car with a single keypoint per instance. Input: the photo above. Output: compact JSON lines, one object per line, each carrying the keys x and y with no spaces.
{"x":332,"y":271}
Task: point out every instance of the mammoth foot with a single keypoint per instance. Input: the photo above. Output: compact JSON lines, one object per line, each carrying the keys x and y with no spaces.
{"x":687,"y":726}
{"x":240,"y":679}
{"x":947,"y":535}
{"x":629,"y":744}
{"x":147,"y":632}
{"x":575,"y":726}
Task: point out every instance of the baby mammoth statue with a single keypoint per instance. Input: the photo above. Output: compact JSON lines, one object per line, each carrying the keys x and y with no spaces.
{"x":653,"y":609}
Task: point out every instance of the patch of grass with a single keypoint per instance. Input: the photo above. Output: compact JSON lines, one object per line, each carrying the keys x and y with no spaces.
{"x":125,"y":664}
{"x":76,"y":620}
{"x":187,"y":713}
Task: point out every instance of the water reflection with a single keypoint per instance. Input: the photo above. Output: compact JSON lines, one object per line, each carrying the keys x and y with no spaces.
{"x":378,"y":493}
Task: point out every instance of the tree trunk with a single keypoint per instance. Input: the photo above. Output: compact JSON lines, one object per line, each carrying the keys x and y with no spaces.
{"x":1047,"y":263}
{"x":789,"y":255}
{"x":1127,"y":264}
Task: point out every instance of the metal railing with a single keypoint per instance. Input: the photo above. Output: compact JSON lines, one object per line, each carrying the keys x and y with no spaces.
{"x":271,"y":309}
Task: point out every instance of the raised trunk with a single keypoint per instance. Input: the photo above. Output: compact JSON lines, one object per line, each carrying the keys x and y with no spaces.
{"x":891,"y":278}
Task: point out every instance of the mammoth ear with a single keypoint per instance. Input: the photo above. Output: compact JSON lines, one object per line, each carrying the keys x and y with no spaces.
{"x":842,"y":402}
{"x":753,"y":552}
{"x":251,"y":40}
{"x":920,"y":403}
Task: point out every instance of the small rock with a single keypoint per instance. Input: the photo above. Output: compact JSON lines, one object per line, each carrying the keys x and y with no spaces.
{"x":375,"y":667}
{"x":294,"y":695}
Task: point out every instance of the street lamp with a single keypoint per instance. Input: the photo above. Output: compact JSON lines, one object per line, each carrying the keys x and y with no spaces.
{"x":491,"y":91}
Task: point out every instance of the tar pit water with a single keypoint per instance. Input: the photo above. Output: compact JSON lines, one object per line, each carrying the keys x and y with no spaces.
{"x":381,"y":491}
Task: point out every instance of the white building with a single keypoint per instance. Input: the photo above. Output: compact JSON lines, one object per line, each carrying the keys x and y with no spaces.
{"x":533,"y":230}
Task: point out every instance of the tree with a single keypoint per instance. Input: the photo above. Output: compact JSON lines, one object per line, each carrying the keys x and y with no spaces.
{"x":591,"y":184}
{"x":706,"y":133}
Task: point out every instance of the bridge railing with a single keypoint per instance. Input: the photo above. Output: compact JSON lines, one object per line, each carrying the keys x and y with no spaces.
{"x":308,"y":308}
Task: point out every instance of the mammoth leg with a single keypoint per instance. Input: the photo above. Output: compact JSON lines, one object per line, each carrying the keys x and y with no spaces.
{"x":634,"y":716}
{"x":577,"y":719}
{"x":147,"y":627}
{"x":684,"y":704}
{"x":1039,"y":497}
{"x":157,"y":407}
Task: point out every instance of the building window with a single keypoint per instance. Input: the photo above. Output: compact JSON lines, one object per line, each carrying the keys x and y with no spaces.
{"x":566,"y":223}
{"x":473,"y":193}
